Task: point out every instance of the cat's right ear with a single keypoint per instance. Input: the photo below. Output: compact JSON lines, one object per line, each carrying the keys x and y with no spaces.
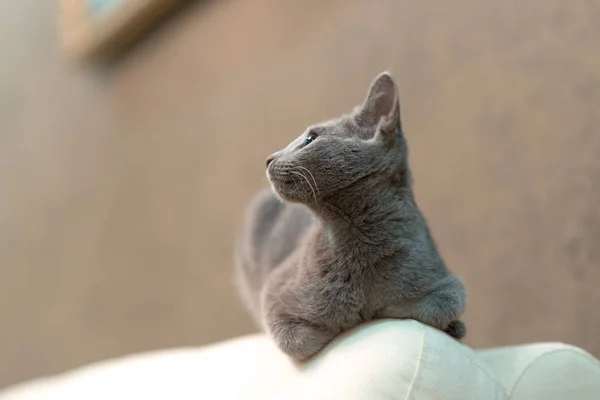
{"x":381,"y":107}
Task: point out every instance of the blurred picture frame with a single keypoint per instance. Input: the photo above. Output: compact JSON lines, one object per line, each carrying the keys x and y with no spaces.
{"x":92,"y":29}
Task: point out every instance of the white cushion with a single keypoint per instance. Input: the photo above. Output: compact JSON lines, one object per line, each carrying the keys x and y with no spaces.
{"x":545,"y":371}
{"x":382,"y":360}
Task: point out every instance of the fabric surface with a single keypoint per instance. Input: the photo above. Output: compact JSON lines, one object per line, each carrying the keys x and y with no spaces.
{"x":383,"y":360}
{"x":545,"y":371}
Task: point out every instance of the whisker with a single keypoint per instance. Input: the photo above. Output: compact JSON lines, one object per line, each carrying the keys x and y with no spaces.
{"x":313,"y":178}
{"x":307,"y":181}
{"x":296,"y":187}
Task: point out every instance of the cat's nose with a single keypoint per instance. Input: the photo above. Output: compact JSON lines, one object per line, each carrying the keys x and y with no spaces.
{"x":270,"y":160}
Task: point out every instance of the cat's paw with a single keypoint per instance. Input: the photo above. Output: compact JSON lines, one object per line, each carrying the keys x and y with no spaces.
{"x":457,"y":329}
{"x":298,"y":339}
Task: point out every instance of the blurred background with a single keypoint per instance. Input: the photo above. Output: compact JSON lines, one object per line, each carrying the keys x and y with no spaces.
{"x":123,"y":183}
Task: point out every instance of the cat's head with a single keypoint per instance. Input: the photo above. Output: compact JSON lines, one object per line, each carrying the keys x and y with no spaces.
{"x":365,"y":147}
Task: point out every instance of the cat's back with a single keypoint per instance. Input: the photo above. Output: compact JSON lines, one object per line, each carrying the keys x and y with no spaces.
{"x":272,"y":231}
{"x":274,"y":228}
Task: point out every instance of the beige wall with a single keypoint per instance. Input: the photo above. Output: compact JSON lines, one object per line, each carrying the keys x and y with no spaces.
{"x":121,"y":188}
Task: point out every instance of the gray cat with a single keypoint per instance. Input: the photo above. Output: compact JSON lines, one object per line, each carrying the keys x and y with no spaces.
{"x":341,"y":240}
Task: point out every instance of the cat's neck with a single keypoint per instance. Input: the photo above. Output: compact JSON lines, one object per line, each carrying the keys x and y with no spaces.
{"x":368,"y":216}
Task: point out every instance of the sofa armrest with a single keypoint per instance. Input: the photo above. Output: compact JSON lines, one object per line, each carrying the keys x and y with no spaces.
{"x":380,"y":360}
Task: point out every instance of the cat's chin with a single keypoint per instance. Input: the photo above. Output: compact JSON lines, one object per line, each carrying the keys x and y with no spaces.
{"x":285,"y":194}
{"x":290,"y":192}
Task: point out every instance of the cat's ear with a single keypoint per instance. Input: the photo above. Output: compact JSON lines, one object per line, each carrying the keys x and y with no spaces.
{"x":382,"y":106}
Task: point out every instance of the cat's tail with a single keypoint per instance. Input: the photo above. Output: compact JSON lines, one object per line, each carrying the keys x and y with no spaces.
{"x":457,"y":329}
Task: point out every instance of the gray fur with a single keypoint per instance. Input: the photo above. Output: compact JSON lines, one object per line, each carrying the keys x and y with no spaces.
{"x":340,"y":239}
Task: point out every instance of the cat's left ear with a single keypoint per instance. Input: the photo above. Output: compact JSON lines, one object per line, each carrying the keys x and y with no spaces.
{"x":382,"y":106}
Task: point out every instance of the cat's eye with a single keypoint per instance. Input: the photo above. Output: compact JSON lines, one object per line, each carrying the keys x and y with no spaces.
{"x":310,"y":137}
